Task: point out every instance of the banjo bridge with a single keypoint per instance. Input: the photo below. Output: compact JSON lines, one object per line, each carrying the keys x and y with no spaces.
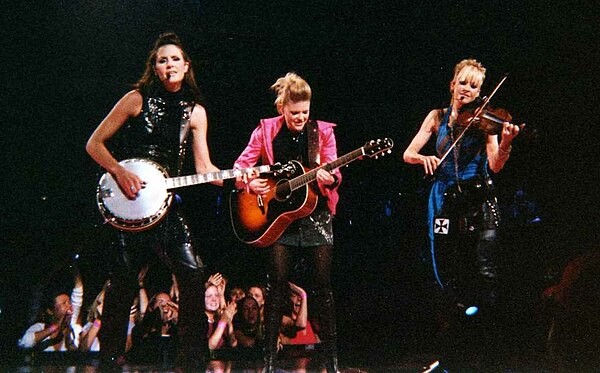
{"x":105,"y":192}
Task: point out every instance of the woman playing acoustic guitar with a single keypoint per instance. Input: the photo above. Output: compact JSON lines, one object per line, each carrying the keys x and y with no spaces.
{"x":292,"y":136}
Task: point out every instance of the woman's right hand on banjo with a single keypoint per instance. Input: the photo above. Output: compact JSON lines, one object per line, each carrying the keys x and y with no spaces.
{"x":129,"y":182}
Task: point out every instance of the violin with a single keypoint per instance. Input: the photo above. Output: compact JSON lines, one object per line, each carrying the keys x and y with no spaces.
{"x":489,"y":120}
{"x":479,"y":115}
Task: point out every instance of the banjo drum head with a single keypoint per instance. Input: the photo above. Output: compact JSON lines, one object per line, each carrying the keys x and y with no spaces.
{"x":151,"y":201}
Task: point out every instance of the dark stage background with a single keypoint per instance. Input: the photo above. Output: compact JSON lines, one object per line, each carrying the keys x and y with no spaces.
{"x":376,"y":69}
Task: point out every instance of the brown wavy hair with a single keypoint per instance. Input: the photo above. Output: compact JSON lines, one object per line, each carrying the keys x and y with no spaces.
{"x":149,"y":80}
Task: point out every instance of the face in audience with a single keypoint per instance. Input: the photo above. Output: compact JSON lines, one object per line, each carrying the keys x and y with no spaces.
{"x":162,"y":299}
{"x":162,"y":302}
{"x":211,"y":299}
{"x":236,"y":294}
{"x":257,"y":293}
{"x":296,"y":302}
{"x":62,"y":306}
{"x":250,"y":310}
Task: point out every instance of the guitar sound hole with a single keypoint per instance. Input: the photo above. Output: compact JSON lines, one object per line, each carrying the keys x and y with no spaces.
{"x":282,"y":190}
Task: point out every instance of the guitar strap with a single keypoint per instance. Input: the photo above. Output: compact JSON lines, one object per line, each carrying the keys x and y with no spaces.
{"x":186,"y":119}
{"x":314,"y":156}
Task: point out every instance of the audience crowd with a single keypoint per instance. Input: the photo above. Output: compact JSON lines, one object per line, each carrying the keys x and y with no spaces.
{"x":235,"y":316}
{"x":67,"y":322}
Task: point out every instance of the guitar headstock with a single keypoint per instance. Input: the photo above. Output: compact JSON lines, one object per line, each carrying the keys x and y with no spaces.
{"x":379,"y":147}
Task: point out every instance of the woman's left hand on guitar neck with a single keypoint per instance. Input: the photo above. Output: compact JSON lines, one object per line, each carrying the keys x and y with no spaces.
{"x":325,"y":178}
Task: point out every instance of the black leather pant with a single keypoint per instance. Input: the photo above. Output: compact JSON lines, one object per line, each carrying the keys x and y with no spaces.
{"x":320,"y":299}
{"x":171,"y":241}
{"x":467,"y":257}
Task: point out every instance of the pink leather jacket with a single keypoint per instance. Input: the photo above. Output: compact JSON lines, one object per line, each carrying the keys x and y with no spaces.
{"x":260,"y":147}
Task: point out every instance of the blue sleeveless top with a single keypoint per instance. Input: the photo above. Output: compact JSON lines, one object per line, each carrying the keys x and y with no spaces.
{"x":472,"y":161}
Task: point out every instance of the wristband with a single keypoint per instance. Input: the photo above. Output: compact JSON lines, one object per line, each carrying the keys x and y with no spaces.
{"x":222,"y":323}
{"x":503,"y":155}
{"x":53,"y":328}
{"x":303,"y":296}
{"x":505,"y":152}
{"x":97,"y":323}
{"x":336,"y":182}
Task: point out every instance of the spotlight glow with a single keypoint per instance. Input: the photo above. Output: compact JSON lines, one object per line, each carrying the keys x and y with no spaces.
{"x":471,"y":310}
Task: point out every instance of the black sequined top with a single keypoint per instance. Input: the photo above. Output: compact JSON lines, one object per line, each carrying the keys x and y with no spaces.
{"x":156,"y":133}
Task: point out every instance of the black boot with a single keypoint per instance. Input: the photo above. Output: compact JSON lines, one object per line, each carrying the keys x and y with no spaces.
{"x":323,"y":300}
{"x":117,"y":303}
{"x":269,"y":363}
{"x":331,"y":364}
{"x":273,"y":313}
{"x":192,"y":324}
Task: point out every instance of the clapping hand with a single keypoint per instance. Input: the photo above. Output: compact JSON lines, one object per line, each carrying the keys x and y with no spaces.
{"x":229,"y":312}
{"x":298,"y":290}
{"x":174,"y":292}
{"x":214,"y":279}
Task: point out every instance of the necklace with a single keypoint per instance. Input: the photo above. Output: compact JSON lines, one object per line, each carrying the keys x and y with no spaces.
{"x":455,"y":150}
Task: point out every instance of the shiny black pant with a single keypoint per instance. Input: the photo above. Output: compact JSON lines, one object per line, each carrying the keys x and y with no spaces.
{"x":467,"y":255}
{"x":320,"y":299}
{"x":171,"y":241}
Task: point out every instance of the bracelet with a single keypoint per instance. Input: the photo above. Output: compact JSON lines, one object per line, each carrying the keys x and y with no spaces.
{"x":336,"y":182}
{"x":303,"y":296}
{"x":505,"y":152}
{"x":53,"y":328}
{"x":97,"y":323}
{"x":222,"y":323}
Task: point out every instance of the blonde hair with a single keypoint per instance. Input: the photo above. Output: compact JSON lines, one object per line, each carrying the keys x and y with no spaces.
{"x":469,"y":70}
{"x":291,"y":87}
{"x":93,"y":312}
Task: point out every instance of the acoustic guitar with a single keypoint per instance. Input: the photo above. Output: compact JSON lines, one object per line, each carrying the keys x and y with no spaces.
{"x":259,"y":220}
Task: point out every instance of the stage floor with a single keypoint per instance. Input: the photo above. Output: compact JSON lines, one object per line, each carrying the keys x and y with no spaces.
{"x":311,"y":362}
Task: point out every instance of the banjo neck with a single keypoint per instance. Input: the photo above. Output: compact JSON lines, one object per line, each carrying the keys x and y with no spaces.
{"x":153,"y":200}
{"x":183,"y":181}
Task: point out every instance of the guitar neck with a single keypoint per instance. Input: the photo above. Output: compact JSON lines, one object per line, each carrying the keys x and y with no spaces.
{"x":311,"y":175}
{"x":183,"y":181}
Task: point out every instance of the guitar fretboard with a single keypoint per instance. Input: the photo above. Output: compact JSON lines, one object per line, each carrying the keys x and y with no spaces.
{"x":311,"y":175}
{"x":182,"y":181}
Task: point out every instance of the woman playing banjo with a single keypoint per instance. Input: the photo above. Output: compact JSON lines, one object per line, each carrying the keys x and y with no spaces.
{"x":150,"y":119}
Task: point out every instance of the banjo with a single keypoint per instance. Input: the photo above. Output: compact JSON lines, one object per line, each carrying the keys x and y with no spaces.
{"x":153,"y":200}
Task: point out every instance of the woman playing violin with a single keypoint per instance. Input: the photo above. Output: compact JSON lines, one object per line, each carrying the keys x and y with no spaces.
{"x":463,"y":213}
